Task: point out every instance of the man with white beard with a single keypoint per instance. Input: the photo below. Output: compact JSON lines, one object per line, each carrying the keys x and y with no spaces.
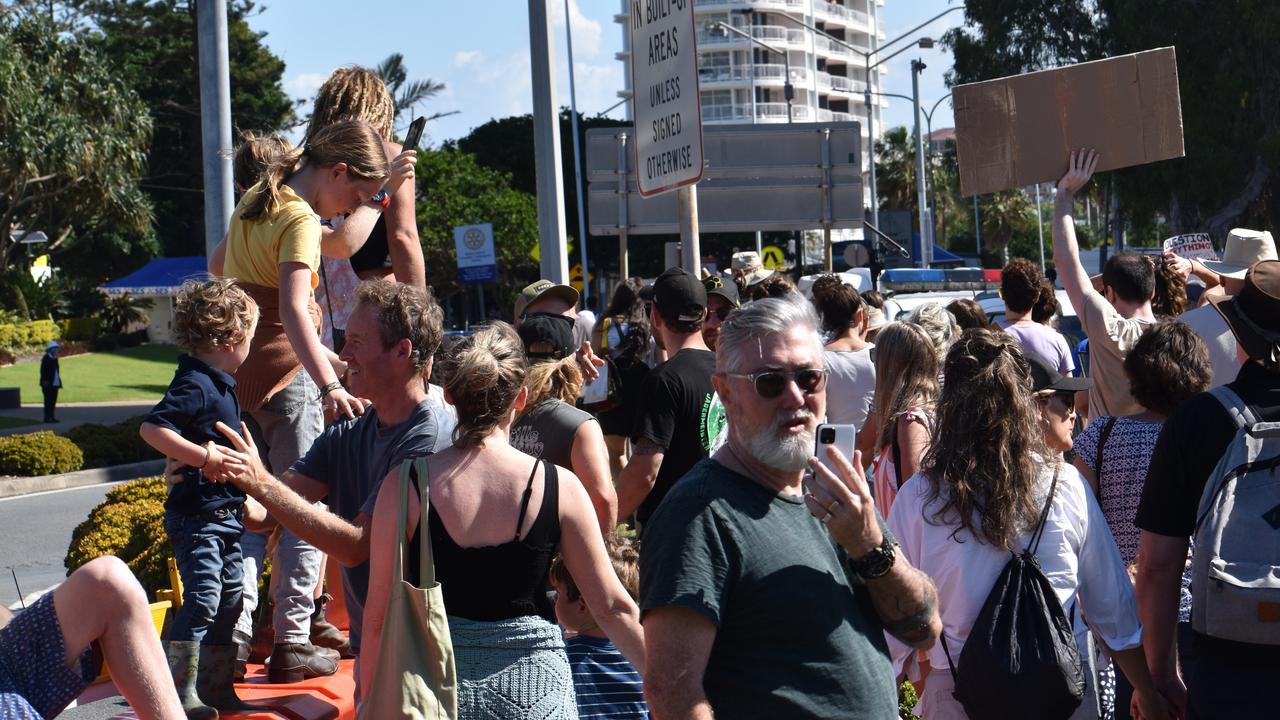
{"x":767,"y":581}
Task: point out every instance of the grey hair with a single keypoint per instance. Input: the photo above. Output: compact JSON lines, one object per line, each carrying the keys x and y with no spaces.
{"x":754,"y":321}
{"x":939,"y":324}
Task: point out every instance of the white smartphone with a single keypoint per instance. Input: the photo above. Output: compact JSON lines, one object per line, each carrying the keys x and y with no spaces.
{"x":598,"y":390}
{"x":844,"y":437}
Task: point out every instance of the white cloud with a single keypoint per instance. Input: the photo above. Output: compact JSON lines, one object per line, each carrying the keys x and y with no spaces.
{"x":586,"y":32}
{"x":305,"y":85}
{"x":466,"y":57}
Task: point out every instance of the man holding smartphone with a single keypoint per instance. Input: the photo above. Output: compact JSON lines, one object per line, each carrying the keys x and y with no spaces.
{"x":749,"y":609}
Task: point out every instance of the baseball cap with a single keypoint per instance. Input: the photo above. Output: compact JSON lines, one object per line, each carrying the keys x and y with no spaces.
{"x":722,"y":286}
{"x":542,"y":288}
{"x":679,"y":296}
{"x":1044,"y":376}
{"x":546,"y":336}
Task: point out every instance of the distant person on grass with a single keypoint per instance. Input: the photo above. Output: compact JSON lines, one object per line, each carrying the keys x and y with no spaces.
{"x":50,"y":380}
{"x":214,"y":322}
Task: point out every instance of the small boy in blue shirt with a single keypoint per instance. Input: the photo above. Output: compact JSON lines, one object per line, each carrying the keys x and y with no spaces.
{"x":214,"y":321}
{"x":607,"y":686}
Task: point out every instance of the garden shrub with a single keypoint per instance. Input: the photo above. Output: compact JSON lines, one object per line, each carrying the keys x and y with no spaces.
{"x":107,"y":445}
{"x":39,"y":453}
{"x":83,"y":329}
{"x":19,"y":338}
{"x":129,"y":523}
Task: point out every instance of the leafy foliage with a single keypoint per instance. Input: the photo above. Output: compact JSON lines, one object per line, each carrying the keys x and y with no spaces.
{"x":129,"y":523}
{"x":453,"y":189}
{"x":394,"y":74}
{"x":73,"y":138}
{"x":39,"y":453}
{"x":120,"y":312}
{"x":24,"y":337}
{"x":107,"y":445}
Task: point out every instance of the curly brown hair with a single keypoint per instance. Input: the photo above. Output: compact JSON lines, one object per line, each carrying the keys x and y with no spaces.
{"x":1046,"y":307}
{"x":1169,"y":364}
{"x":209,"y":314}
{"x":626,"y":563}
{"x":353,"y":93}
{"x":1020,"y":284}
{"x":1170,"y":298}
{"x":980,"y":464}
{"x":405,"y":312}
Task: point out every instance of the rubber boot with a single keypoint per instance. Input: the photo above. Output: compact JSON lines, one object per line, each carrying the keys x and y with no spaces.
{"x":184,"y":664}
{"x":292,"y":663}
{"x":325,"y":634}
{"x":214,"y":684}
{"x":244,"y":648}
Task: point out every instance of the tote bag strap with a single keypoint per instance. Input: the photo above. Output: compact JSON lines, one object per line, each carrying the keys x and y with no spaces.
{"x":416,"y":467}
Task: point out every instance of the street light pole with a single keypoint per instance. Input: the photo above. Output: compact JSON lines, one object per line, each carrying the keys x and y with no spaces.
{"x":921,"y":197}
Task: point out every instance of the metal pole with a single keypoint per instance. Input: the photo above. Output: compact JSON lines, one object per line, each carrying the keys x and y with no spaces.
{"x":624,"y":179}
{"x":1040,"y":227}
{"x":577,"y":160}
{"x":921,"y":197}
{"x":977,"y":229}
{"x":215,"y":119}
{"x":480,"y":292}
{"x":871,"y":153}
{"x":751,"y":68}
{"x":546,"y":148}
{"x":760,"y":243}
{"x":788,"y":91}
{"x":692,"y":260}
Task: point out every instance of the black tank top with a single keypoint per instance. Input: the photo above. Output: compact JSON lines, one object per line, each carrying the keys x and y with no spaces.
{"x":498,"y":582}
{"x":374,"y":253}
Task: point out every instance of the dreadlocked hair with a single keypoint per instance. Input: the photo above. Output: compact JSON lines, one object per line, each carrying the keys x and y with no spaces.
{"x":353,"y":93}
{"x":484,"y":377}
{"x":350,"y":141}
{"x":981,"y":464}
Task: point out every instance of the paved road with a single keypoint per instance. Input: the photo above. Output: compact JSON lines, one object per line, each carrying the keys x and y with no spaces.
{"x":34,"y":533}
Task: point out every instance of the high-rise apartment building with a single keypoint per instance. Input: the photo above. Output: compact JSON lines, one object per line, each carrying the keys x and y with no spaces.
{"x":744,"y":80}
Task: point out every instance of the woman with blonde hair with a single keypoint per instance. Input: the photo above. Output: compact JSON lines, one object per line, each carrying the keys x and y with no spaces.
{"x":550,"y":427}
{"x":509,"y":653}
{"x":902,"y":415}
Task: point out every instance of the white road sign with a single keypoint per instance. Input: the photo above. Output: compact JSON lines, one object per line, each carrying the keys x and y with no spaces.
{"x":664,"y":80}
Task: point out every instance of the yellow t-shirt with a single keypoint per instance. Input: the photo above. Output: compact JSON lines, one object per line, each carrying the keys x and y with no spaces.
{"x":256,"y":248}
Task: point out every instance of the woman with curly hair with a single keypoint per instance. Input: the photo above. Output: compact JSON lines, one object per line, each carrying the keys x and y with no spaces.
{"x":979,"y":495}
{"x":906,"y":389}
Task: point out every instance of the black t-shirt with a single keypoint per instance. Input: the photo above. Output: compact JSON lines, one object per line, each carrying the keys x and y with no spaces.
{"x":681,"y":414}
{"x":1194,"y":439}
{"x":547,"y":431}
{"x":797,"y":635}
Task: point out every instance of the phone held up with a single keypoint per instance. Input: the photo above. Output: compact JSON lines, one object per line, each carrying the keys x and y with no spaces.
{"x":414,"y":135}
{"x":843,"y":437}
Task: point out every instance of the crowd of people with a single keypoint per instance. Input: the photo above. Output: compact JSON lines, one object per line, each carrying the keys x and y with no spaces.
{"x":686,"y":545}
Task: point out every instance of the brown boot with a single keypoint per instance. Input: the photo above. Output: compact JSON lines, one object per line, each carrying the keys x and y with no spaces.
{"x":184,"y":665}
{"x":291,"y":663}
{"x":214,"y":683}
{"x":325,"y":634}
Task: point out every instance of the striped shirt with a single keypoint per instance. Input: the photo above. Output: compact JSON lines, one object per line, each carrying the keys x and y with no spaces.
{"x":606,"y":684}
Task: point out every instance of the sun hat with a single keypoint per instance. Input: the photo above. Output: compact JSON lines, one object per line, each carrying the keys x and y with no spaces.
{"x":1244,"y":248}
{"x":748,"y":265}
{"x":542,"y":288}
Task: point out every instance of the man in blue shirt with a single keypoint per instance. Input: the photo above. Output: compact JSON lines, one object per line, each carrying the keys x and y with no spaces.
{"x":391,"y":338}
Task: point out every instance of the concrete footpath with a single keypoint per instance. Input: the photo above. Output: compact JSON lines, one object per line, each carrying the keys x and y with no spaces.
{"x":71,"y":415}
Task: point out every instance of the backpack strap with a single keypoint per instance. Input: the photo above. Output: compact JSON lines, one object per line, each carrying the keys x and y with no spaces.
{"x":947,"y":651}
{"x":1102,"y":443}
{"x":1044,"y":514}
{"x":1241,"y":414}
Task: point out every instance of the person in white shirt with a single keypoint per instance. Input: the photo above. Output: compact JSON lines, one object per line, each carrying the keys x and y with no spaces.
{"x":978,"y":495}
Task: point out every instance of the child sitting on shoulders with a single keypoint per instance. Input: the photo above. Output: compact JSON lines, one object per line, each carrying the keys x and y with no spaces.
{"x":214,"y":321}
{"x":607,"y":686}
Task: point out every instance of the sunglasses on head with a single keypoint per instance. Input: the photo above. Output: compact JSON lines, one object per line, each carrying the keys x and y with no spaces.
{"x":772,"y":383}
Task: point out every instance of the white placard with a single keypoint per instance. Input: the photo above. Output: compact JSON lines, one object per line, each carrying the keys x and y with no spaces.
{"x":1194,"y":246}
{"x":664,"y":83}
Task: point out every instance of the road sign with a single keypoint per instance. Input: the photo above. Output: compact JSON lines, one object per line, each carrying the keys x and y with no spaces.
{"x":476,"y":259}
{"x":575,"y":277}
{"x":664,"y":82}
{"x":772,"y":258}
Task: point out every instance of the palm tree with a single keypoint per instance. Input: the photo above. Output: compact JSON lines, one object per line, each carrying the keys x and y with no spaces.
{"x":393,"y":73}
{"x":896,"y":170}
{"x":1005,"y":215}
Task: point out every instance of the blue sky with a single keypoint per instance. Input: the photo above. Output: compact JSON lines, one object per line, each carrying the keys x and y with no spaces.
{"x":480,"y":50}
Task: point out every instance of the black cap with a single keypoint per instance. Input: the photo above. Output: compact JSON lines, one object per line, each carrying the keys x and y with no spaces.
{"x":1044,"y":376}
{"x":724,"y":287}
{"x":679,"y":296}
{"x":546,"y":336}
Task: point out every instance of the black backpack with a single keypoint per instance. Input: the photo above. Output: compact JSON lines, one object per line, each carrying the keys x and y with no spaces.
{"x":1021,"y":659}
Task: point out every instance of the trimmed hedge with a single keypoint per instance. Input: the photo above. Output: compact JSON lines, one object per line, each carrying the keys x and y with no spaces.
{"x":39,"y":453}
{"x":130,"y":525}
{"x":18,"y":338}
{"x":83,"y":329}
{"x":107,"y":445}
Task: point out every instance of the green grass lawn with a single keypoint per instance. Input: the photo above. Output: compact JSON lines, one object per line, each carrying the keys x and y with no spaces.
{"x":140,"y":373}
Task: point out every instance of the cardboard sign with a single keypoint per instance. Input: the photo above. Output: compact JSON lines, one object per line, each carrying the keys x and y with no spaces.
{"x":665,"y":98}
{"x":1020,"y":130}
{"x":1194,"y":246}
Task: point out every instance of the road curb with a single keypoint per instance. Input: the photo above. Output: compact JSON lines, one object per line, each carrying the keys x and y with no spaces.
{"x":16,"y":486}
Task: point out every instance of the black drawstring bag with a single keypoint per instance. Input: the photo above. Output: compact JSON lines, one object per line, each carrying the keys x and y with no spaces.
{"x":1021,"y":659}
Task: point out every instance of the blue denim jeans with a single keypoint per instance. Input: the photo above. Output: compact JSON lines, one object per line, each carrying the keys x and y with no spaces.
{"x":207,"y":551}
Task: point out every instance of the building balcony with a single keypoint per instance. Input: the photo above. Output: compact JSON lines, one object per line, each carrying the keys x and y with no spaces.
{"x":765,"y":112}
{"x":840,"y":14}
{"x":768,"y":74}
{"x":775,"y":35}
{"x":783,"y":5}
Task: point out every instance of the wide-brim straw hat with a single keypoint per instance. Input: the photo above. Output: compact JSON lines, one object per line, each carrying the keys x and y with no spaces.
{"x":1244,"y":249}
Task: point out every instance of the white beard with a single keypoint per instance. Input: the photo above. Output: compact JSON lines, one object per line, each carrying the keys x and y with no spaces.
{"x":786,"y":454}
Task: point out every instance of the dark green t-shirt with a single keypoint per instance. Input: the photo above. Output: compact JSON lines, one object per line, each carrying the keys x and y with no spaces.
{"x":796,"y":633}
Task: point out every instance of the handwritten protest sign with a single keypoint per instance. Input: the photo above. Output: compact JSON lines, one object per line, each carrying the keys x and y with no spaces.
{"x":1193,"y":246}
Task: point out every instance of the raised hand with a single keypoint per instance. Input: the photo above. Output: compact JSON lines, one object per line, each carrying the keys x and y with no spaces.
{"x":1083,"y":163}
{"x":843,"y":503}
{"x":402,"y":168}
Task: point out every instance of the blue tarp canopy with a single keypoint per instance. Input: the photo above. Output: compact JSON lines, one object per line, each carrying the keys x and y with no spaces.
{"x":941,"y":255}
{"x":162,"y":276}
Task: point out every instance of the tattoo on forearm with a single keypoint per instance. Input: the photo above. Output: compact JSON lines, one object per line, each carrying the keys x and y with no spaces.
{"x":908,"y":608}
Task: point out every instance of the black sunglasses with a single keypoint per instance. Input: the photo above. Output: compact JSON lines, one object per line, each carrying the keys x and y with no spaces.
{"x":721,"y":313}
{"x":771,"y":383}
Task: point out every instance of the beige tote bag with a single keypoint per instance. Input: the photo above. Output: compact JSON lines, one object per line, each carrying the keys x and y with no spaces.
{"x":415,"y":678}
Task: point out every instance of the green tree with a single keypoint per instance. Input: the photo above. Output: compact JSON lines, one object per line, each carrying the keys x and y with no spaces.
{"x":454,"y":189}
{"x":896,"y":170}
{"x":153,"y":44}
{"x":1008,"y":216}
{"x":394,"y":74}
{"x":73,"y":138}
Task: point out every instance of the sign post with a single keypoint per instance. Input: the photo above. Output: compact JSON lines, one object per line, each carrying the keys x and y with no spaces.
{"x":668,"y":114}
